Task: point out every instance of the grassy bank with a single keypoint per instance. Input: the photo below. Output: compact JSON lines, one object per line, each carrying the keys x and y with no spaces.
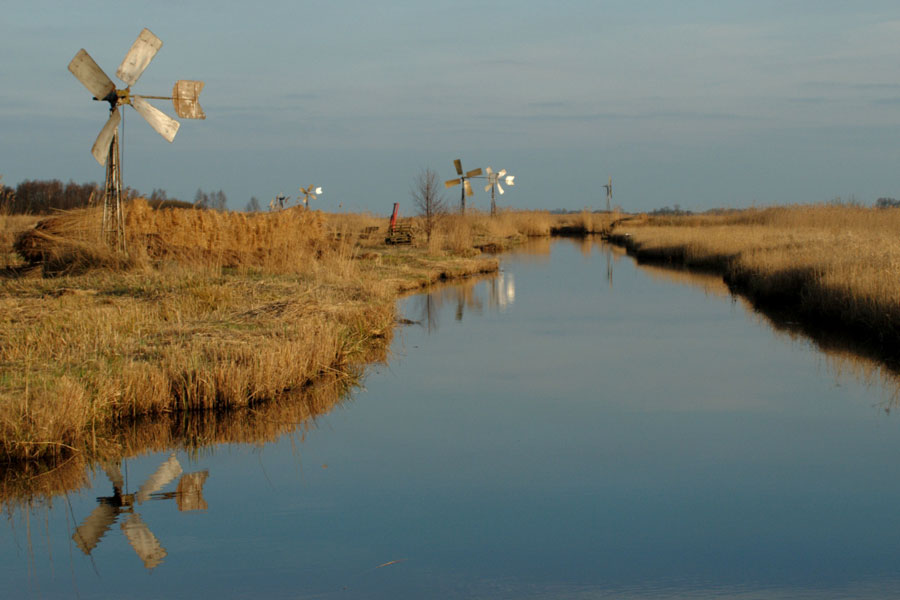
{"x":210,"y":311}
{"x":835,"y":267}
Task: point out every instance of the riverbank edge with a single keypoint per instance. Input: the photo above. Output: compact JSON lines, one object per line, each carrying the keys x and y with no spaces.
{"x":401,"y":273}
{"x":793,"y":298}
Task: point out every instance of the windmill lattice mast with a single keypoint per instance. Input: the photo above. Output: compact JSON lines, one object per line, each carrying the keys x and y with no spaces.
{"x":105,"y":150}
{"x":608,"y":194}
{"x":494,"y":183}
{"x":466,"y":189}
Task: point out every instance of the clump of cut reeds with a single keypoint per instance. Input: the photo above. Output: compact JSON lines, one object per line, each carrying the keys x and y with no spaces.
{"x":11,"y":228}
{"x":71,"y":242}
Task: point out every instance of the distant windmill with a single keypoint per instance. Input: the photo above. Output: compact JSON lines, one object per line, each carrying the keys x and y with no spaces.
{"x":278,"y":202}
{"x":608,"y":193}
{"x":466,"y":189}
{"x":310,"y":193}
{"x":494,"y":182}
{"x":106,"y":148}
{"x":188,"y":496}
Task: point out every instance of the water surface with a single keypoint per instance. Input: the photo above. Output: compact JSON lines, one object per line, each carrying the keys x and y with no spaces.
{"x":577,"y":427}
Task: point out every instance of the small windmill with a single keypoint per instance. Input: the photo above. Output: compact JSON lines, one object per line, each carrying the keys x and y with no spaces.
{"x":279,"y":202}
{"x":188,"y":497}
{"x":106,"y":147}
{"x":466,"y":189}
{"x":309,"y":193}
{"x":494,"y":183}
{"x":608,"y":187}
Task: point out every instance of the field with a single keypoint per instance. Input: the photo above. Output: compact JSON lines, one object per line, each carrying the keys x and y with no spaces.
{"x":209,"y":311}
{"x":835,"y":267}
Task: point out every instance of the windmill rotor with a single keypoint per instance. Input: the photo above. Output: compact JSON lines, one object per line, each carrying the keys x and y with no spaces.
{"x":466,"y":189}
{"x":493,"y":183}
{"x":105,"y":149}
{"x":309,"y":193}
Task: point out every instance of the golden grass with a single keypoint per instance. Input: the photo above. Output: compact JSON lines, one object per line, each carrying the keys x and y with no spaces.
{"x":837,"y":264}
{"x":209,"y":311}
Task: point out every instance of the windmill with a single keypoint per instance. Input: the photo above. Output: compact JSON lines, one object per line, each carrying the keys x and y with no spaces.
{"x":106,"y":147}
{"x":494,"y":182}
{"x":466,"y":189}
{"x":279,"y":202}
{"x":309,"y":193}
{"x":188,"y":497}
{"x":608,"y":187}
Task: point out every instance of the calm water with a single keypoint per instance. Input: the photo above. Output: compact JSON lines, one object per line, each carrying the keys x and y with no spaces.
{"x":579,"y":427}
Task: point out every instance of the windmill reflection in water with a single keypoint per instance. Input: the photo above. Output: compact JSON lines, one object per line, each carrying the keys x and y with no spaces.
{"x":188,"y":496}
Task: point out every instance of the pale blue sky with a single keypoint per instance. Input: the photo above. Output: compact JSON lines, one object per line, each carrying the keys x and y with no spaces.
{"x":695,"y":102}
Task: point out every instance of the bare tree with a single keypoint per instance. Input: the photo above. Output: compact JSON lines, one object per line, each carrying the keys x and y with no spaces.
{"x":428,"y":199}
{"x":253,"y":205}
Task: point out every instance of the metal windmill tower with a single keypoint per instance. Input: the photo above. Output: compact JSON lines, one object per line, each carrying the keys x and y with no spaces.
{"x":309,"y":193}
{"x":494,"y":183}
{"x":466,"y":189}
{"x":106,"y":148}
{"x":608,"y":187}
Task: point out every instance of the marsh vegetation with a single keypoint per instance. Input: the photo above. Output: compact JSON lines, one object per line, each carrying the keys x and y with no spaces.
{"x":834,"y":266}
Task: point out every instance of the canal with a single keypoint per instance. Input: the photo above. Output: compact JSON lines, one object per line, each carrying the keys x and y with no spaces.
{"x":578,"y":426}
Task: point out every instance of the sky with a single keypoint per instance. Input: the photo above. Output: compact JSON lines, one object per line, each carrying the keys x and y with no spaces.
{"x":699,"y":103}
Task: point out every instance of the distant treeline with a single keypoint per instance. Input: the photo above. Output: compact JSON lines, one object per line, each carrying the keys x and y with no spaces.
{"x":44,"y":197}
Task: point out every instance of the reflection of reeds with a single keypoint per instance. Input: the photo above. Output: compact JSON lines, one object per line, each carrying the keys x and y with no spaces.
{"x":833,"y":270}
{"x":834,"y":267}
{"x":36,"y":482}
{"x":711,"y":284}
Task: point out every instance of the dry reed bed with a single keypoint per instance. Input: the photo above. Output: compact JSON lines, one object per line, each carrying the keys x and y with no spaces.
{"x":213,"y":311}
{"x":833,"y":265}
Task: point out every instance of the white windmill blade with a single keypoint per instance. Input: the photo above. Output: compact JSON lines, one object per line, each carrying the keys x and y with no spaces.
{"x":139,"y":56}
{"x":143,"y":541}
{"x":501,"y":173}
{"x":487,"y":188}
{"x":189,"y":494}
{"x":318,"y":190}
{"x":166,"y":473}
{"x":186,"y":99}
{"x":164,"y":125}
{"x":100,"y":149}
{"x":489,"y":171}
{"x":510,"y":180}
{"x":91,"y":75}
{"x":499,"y":188}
